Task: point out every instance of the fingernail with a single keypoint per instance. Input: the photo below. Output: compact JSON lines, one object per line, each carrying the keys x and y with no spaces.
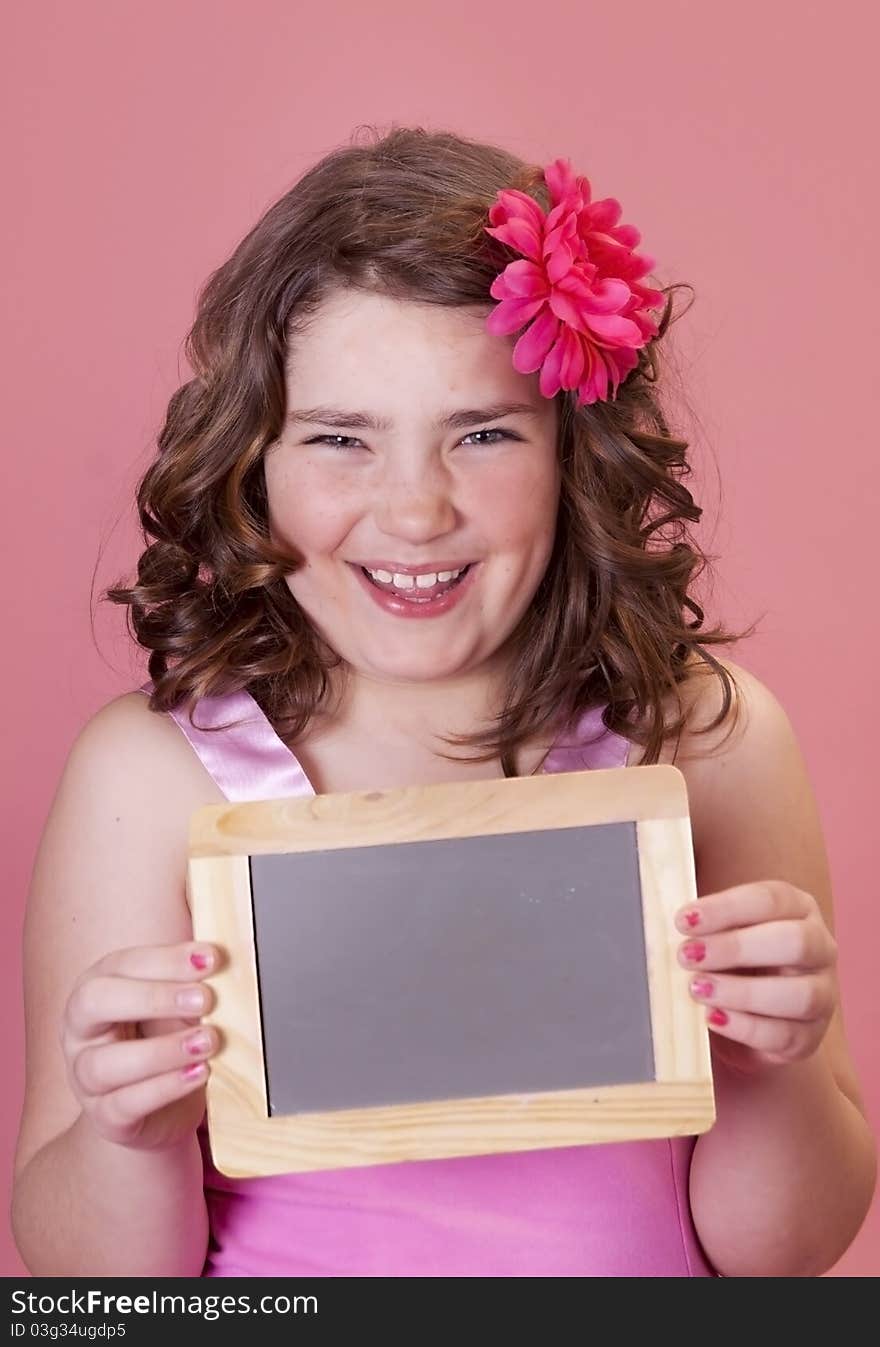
{"x":198,"y":1043}
{"x":694,"y":951}
{"x":702,"y":987}
{"x":191,"y":998}
{"x":201,"y":961}
{"x":718,"y":1016}
{"x":692,"y":919}
{"x":194,"y":1070}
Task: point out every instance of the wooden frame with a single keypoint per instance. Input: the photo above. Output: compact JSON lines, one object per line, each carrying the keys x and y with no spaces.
{"x":246,"y":1141}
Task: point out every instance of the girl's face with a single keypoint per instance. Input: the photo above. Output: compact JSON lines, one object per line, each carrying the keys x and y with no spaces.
{"x":398,"y":456}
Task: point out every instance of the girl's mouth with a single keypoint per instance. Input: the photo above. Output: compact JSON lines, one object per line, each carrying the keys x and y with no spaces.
{"x":414,"y":591}
{"x":413,"y":599}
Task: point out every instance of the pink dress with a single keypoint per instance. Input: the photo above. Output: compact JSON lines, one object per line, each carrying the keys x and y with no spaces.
{"x":616,"y":1210}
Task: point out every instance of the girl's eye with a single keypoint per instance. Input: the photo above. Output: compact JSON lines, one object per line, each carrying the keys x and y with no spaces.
{"x":336,"y":440}
{"x":333,"y":440}
{"x":505,"y":435}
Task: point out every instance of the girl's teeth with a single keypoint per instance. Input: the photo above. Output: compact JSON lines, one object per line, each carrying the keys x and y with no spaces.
{"x":415,"y":588}
{"x":426,"y":581}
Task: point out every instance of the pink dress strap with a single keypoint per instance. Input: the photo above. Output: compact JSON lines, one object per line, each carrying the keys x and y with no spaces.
{"x":607,"y":1210}
{"x":239,"y":748}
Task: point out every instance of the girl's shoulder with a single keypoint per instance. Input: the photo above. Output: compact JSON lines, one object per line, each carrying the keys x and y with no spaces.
{"x":713,"y":756}
{"x":701,"y":699}
{"x":714,"y":736}
{"x":129,"y":752}
{"x":116,"y":842}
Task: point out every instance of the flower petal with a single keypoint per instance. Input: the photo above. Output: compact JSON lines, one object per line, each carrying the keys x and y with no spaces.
{"x":572,"y":369}
{"x":561,"y":180}
{"x":535,"y":342}
{"x":522,"y":280}
{"x":600,"y":377}
{"x":521,"y":235}
{"x":628,"y":235}
{"x":649,"y":299}
{"x":603,"y":215}
{"x":511,"y":315}
{"x":569,"y":309}
{"x":564,"y":215}
{"x":613,"y":328}
{"x":559,"y":262}
{"x":511,"y":202}
{"x":609,"y":296}
{"x":621,"y":362}
{"x":550,"y":382}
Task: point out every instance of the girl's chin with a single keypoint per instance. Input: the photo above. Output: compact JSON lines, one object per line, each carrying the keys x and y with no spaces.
{"x":406,"y":666}
{"x":410,"y":673}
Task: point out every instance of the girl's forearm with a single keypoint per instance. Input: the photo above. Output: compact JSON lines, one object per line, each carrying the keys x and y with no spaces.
{"x":782,"y":1182}
{"x":83,"y":1206}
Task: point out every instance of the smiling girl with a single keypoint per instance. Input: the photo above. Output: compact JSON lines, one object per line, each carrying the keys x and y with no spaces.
{"x":399,"y":534}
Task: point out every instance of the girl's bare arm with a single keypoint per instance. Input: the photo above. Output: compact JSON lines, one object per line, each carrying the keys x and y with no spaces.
{"x":109,"y":875}
{"x":782,"y":1182}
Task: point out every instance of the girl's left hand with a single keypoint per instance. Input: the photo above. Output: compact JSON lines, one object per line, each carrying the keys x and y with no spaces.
{"x":763,"y":961}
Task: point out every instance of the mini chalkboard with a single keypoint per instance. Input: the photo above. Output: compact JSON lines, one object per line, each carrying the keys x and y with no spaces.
{"x":449,"y":970}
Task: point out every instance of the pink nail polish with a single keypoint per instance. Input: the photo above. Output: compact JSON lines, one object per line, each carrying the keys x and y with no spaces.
{"x":702,"y":987}
{"x":198,"y":1043}
{"x":694,"y":951}
{"x":200,"y":960}
{"x":692,"y":919}
{"x":718,"y":1016}
{"x":193,"y":1071}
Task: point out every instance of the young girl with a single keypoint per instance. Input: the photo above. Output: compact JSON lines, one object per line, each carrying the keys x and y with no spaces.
{"x":403,"y":533}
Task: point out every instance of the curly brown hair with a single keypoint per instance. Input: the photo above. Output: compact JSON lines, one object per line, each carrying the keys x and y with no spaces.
{"x":404,"y":213}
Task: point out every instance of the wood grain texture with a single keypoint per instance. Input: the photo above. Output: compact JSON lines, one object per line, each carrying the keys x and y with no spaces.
{"x":457,"y":1127}
{"x":246,"y":1141}
{"x":666,"y":867}
{"x":448,"y":809}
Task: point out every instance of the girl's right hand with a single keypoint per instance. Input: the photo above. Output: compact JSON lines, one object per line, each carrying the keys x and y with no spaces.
{"x":135,"y":1052}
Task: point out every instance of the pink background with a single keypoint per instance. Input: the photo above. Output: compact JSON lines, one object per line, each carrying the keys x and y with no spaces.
{"x":143,"y":140}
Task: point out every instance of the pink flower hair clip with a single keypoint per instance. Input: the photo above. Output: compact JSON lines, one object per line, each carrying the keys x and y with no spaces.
{"x":577,"y":286}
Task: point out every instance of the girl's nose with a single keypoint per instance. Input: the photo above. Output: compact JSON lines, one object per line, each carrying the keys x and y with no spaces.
{"x":415,"y":510}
